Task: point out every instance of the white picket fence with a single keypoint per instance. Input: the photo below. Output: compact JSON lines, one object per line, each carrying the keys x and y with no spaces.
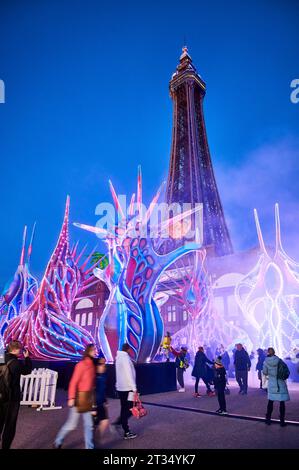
{"x":39,"y":389}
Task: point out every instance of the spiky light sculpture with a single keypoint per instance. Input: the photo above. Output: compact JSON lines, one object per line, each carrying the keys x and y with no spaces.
{"x":46,"y":328}
{"x":131,"y":314}
{"x":19,"y":294}
{"x":268,"y":294}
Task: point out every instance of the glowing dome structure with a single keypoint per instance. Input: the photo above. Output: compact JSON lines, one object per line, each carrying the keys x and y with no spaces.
{"x":267,"y":296}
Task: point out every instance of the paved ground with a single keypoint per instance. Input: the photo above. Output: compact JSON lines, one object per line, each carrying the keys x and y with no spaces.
{"x":175,"y":428}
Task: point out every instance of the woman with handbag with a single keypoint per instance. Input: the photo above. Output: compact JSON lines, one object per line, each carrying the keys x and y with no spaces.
{"x":80,"y":399}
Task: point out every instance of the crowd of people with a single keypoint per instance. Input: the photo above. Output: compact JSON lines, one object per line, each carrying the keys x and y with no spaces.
{"x":87,"y":387}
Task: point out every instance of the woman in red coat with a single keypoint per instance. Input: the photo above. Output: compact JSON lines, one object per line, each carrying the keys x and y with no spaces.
{"x":80,"y":399}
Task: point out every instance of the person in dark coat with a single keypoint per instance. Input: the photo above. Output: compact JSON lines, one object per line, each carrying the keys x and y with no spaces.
{"x":220,"y":384}
{"x":259,"y":365}
{"x":277,"y":388}
{"x":9,"y":411}
{"x":100,"y":414}
{"x":200,"y":371}
{"x":242,"y":365}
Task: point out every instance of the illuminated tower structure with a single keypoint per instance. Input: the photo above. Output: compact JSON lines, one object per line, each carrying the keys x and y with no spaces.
{"x":191,"y":178}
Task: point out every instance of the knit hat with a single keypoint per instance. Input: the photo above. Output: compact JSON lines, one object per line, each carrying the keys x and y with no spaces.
{"x":218,"y":361}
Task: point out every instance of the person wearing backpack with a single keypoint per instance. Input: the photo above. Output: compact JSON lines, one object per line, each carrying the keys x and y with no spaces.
{"x":182,"y":364}
{"x":277,"y":372}
{"x":10,"y":391}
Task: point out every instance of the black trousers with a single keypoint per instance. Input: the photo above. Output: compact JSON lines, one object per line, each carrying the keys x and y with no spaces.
{"x":242,"y":379}
{"x":221,"y":398}
{"x":204,"y":379}
{"x":8,"y":422}
{"x":282,"y":410}
{"x":180,"y":376}
{"x":125,"y":412}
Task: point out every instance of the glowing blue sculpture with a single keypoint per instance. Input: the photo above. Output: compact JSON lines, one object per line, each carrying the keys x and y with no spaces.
{"x":131,"y":314}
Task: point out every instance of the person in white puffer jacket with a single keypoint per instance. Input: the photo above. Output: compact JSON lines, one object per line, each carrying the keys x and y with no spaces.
{"x":126,"y":388}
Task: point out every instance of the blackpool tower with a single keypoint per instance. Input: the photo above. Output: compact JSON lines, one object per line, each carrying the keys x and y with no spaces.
{"x":191,"y":177}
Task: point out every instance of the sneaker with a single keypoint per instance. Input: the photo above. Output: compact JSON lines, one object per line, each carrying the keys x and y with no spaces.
{"x":218,"y":411}
{"x":283,"y":424}
{"x":181,"y":390}
{"x":240,"y":391}
{"x":268,"y":421}
{"x":130,"y":435}
{"x":211,"y":394}
{"x":221,"y":412}
{"x":196,"y":395}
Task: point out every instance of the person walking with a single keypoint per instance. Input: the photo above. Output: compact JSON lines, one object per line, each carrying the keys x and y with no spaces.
{"x":10,"y":376}
{"x":220,"y":384}
{"x":275,"y":369}
{"x":126,"y":388}
{"x":200,"y":371}
{"x":259,"y":365}
{"x":242,"y":365}
{"x":80,"y":399}
{"x":101,"y":420}
{"x":182,"y":364}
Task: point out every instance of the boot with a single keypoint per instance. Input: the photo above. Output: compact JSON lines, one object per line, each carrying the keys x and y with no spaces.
{"x":268,"y":419}
{"x":282,"y":422}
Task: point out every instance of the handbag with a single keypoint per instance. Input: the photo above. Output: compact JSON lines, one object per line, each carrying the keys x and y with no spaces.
{"x":138,"y":410}
{"x":265,"y":381}
{"x":84,"y":401}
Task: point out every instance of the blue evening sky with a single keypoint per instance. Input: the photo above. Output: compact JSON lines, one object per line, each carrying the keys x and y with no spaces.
{"x":87,"y":99}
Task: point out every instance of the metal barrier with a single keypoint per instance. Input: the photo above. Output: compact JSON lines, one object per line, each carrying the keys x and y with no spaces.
{"x":39,"y":389}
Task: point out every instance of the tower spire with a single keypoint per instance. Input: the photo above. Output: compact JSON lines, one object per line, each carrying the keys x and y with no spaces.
{"x":191,"y":178}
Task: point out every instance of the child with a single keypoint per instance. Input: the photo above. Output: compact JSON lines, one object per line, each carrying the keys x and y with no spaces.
{"x":101,"y":415}
{"x":220,"y":384}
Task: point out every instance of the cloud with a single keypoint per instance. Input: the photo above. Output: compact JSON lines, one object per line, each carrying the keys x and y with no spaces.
{"x":267,"y":175}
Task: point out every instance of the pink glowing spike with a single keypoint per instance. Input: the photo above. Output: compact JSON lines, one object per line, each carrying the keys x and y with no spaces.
{"x":131,"y":206}
{"x":153,"y":203}
{"x":30,"y":244}
{"x":23,"y":246}
{"x":259,"y":231}
{"x":116,"y":201}
{"x":139,"y":193}
{"x":179,"y":217}
{"x":74,"y":249}
{"x":278,"y":245}
{"x":91,"y":228}
{"x":81,"y":253}
{"x":83,"y":266}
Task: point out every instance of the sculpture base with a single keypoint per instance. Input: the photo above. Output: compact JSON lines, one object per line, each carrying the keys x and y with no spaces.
{"x":154,"y":377}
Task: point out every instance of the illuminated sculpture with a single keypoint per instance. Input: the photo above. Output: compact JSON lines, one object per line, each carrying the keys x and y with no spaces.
{"x":46,"y":328}
{"x":20,"y":293}
{"x":193,"y":290}
{"x":131,"y":314}
{"x":268,"y":294}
